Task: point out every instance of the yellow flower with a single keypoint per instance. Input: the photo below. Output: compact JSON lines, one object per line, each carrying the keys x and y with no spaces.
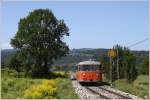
{"x":45,"y":90}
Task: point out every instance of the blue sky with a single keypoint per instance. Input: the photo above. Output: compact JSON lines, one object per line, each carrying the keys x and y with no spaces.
{"x":92,"y":24}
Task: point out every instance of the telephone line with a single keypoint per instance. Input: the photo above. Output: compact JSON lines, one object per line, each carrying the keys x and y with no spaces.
{"x":138,"y":42}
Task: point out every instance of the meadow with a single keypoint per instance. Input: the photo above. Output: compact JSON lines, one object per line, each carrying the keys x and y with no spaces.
{"x":16,"y":86}
{"x":139,"y":87}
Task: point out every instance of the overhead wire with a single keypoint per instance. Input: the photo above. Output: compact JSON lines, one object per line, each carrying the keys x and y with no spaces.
{"x":138,"y":42}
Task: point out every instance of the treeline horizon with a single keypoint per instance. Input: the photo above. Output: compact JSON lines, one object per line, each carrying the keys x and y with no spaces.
{"x":88,"y":48}
{"x":74,"y":55}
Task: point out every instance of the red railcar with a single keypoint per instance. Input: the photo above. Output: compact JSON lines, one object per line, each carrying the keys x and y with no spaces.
{"x":89,"y":71}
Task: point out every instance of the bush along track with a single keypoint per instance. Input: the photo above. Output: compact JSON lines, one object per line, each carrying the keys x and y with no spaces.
{"x":59,"y":87}
{"x":46,"y":90}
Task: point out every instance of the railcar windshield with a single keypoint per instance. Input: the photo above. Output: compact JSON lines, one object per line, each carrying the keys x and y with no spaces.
{"x":84,"y":68}
{"x":89,"y":67}
{"x":95,"y":67}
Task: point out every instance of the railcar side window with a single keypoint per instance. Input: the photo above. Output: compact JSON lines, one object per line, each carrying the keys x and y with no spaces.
{"x":90,"y":67}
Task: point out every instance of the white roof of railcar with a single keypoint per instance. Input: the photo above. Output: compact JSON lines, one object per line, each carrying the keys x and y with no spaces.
{"x":89,"y":63}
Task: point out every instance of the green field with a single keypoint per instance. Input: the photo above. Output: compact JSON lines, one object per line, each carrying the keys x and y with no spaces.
{"x":139,"y":87}
{"x":14,"y":86}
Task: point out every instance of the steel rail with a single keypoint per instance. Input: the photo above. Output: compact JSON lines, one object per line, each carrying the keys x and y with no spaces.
{"x":123,"y":96}
{"x":105,"y":97}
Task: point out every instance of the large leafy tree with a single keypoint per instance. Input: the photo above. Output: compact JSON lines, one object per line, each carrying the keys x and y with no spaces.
{"x":15,"y":63}
{"x":40,"y":37}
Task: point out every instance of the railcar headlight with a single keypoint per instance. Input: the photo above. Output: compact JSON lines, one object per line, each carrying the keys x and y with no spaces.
{"x":83,"y":74}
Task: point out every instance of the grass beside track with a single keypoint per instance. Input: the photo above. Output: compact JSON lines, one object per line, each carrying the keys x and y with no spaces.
{"x":139,"y":87}
{"x":14,"y":87}
{"x":65,"y":90}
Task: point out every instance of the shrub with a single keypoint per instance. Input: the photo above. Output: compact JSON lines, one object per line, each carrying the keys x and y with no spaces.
{"x":60,"y":74}
{"x":46,"y":90}
{"x":13,"y":87}
{"x":141,"y":86}
{"x":65,"y":89}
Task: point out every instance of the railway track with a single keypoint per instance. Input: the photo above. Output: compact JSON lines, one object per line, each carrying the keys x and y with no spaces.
{"x":102,"y":96}
{"x":106,"y":93}
{"x":118,"y":94}
{"x":101,"y":92}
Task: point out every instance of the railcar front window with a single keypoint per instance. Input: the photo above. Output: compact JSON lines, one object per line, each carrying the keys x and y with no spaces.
{"x":84,"y":68}
{"x":95,"y":67}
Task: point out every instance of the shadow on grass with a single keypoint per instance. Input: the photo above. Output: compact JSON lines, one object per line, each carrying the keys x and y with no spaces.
{"x":101,"y":83}
{"x":50,"y":75}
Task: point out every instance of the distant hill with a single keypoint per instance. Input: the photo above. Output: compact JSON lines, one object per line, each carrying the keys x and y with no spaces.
{"x":5,"y":54}
{"x":77,"y":55}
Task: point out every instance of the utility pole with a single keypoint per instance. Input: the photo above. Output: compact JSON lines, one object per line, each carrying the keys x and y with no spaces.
{"x":111,"y":54}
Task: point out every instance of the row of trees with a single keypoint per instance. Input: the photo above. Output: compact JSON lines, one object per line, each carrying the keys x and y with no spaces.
{"x":144,"y":66}
{"x":39,"y":41}
{"x":123,"y":64}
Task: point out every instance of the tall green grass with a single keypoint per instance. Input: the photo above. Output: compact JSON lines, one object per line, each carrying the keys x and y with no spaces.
{"x":65,"y":89}
{"x":139,"y":87}
{"x":15,"y":84}
{"x":14,"y":87}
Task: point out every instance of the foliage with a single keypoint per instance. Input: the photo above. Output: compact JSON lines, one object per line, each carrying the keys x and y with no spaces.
{"x":129,"y":64}
{"x":15,"y":63}
{"x":40,"y":39}
{"x":50,"y":89}
{"x":126,"y":64}
{"x":15,"y":86}
{"x":6,"y":54}
{"x":12,"y":87}
{"x":60,"y":73}
{"x":139,"y":87}
{"x":144,"y":68}
{"x":105,"y":65}
{"x":65,"y":89}
{"x":120,"y":73}
{"x":77,"y":55}
{"x":57,"y":74}
{"x":46,"y":90}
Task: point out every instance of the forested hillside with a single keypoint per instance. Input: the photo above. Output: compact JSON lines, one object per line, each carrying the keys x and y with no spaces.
{"x":6,"y":54}
{"x":77,"y":55}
